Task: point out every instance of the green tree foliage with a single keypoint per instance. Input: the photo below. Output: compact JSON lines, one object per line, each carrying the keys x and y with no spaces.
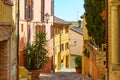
{"x":95,"y":24}
{"x":35,"y":54}
{"x":86,"y":53}
{"x":78,"y":61}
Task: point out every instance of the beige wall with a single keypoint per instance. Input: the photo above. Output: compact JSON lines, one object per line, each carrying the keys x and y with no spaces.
{"x":76,"y":49}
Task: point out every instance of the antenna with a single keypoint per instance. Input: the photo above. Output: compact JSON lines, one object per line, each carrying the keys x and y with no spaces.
{"x":77,"y":15}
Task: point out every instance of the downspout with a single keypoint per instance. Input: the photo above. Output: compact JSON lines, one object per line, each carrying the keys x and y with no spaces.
{"x":18,"y":41}
{"x":106,"y":30}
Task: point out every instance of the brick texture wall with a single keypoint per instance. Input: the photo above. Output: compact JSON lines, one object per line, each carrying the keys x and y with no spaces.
{"x":4,"y":75}
{"x":86,"y":65}
{"x":90,"y":65}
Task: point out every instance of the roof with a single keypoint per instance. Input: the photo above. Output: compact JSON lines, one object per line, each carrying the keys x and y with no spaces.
{"x":77,"y":29}
{"x":60,"y":21}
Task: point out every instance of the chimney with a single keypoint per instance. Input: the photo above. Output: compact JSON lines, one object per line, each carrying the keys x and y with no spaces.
{"x":79,"y":23}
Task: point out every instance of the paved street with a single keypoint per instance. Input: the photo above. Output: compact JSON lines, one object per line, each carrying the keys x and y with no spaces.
{"x":63,"y":76}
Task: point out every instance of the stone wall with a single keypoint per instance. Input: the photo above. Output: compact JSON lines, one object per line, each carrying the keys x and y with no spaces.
{"x":8,"y":58}
{"x":4,"y":75}
{"x":86,"y":65}
{"x":94,"y":65}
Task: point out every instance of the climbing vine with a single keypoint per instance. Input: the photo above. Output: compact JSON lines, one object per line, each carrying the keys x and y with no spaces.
{"x":95,"y":23}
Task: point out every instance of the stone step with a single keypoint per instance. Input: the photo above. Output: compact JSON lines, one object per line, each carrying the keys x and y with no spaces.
{"x":23,"y":78}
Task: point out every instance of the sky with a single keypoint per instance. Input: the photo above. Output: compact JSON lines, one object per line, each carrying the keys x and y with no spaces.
{"x":69,"y":10}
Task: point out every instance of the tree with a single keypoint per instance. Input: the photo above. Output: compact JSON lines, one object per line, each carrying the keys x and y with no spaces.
{"x":95,"y":23}
{"x":36,"y":54}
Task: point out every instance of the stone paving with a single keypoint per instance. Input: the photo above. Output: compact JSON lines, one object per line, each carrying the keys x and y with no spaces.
{"x":63,"y":76}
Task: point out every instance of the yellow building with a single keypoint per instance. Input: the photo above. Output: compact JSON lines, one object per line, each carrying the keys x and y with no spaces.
{"x":61,"y":43}
{"x":113,"y":43}
{"x":8,"y":49}
{"x":85,"y":37}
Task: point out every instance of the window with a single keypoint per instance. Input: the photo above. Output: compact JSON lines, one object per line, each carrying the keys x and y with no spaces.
{"x":28,"y":9}
{"x":61,"y":29}
{"x":52,"y":7}
{"x":66,"y":29}
{"x":55,"y":30}
{"x":10,"y":2}
{"x":62,"y":47}
{"x":42,"y":10}
{"x":66,"y":46}
{"x":28,"y":33}
{"x":22,"y":28}
{"x":40,"y":28}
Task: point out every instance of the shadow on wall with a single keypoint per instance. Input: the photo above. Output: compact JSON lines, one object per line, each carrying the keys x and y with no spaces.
{"x":22,"y":44}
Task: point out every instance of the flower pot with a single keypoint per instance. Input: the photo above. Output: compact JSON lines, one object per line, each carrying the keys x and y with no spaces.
{"x":35,"y":73}
{"x":78,"y":69}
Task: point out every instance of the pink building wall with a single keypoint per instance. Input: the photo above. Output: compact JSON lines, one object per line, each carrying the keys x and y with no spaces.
{"x":24,"y":25}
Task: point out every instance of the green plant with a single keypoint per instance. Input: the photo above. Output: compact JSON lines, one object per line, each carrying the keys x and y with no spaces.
{"x":95,"y":23}
{"x":35,"y":54}
{"x":86,"y":53}
{"x":78,"y":61}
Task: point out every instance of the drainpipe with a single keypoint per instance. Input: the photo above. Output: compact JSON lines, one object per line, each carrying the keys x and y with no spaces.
{"x":106,"y":30}
{"x":59,"y":54}
{"x":18,"y":41}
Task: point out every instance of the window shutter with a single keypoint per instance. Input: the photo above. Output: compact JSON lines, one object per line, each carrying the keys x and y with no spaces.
{"x":44,"y":28}
{"x":42,"y":10}
{"x":52,"y":7}
{"x":28,"y":9}
{"x":37,"y":29}
{"x":31,"y":9}
{"x":52,"y":31}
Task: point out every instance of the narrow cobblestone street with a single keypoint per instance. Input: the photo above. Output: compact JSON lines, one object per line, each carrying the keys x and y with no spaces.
{"x":63,"y":76}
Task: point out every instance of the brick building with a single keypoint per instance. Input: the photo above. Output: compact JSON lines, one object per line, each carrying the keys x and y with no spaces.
{"x":8,"y":43}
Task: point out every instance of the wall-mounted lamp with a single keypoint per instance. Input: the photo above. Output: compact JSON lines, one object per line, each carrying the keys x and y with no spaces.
{"x":47,"y":16}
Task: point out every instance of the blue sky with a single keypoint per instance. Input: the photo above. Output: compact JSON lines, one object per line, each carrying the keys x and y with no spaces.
{"x":69,"y":10}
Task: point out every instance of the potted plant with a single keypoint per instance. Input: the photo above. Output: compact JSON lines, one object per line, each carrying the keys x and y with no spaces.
{"x":78,"y":63}
{"x":35,"y":54}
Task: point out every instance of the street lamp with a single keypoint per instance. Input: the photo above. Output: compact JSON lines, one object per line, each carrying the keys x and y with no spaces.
{"x":47,"y":16}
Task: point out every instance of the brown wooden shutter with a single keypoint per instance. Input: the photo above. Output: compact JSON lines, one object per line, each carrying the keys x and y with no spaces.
{"x":37,"y":29}
{"x":25,"y":8}
{"x":42,"y":10}
{"x":31,"y":9}
{"x":44,"y":28}
{"x":52,"y":31}
{"x":52,"y":7}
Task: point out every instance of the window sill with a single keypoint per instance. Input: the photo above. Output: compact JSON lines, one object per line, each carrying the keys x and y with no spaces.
{"x":28,"y":19}
{"x":9,"y":3}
